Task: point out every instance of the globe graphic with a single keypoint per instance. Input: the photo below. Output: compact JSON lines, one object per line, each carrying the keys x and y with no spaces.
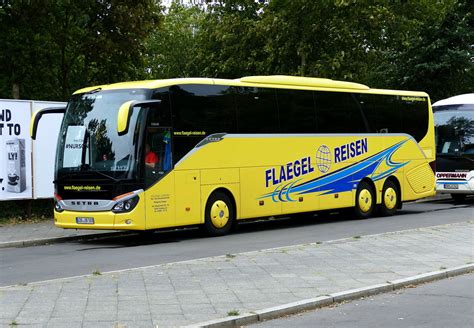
{"x":323,"y":159}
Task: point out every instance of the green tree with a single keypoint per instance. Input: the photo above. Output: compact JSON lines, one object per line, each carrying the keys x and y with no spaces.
{"x":52,"y":47}
{"x":172,"y":47}
{"x":231,"y":43}
{"x":437,"y":57}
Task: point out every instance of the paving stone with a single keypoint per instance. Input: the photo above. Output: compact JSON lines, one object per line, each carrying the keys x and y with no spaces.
{"x":165,"y":309}
{"x":204,"y":289}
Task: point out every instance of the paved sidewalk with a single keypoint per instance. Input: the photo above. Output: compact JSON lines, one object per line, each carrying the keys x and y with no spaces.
{"x":193,"y":291}
{"x":43,"y":232}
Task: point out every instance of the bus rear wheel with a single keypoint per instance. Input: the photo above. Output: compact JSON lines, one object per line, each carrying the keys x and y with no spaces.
{"x":390,"y":199}
{"x":365,"y":201}
{"x":220,"y":214}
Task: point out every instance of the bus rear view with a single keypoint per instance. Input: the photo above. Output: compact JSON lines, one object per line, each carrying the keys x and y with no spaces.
{"x":454,"y":120}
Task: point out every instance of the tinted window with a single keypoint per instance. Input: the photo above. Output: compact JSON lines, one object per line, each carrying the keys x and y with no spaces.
{"x":414,"y":117}
{"x":338,"y":112}
{"x":394,"y":114}
{"x":198,"y":111}
{"x":382,"y":113}
{"x":297,"y":111}
{"x":257,"y":110}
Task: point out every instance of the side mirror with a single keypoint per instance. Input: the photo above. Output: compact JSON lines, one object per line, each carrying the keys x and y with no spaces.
{"x":37,"y":116}
{"x":126,"y":110}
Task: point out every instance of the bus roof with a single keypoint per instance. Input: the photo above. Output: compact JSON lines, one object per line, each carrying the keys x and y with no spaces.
{"x":278,"y":81}
{"x":467,"y":98}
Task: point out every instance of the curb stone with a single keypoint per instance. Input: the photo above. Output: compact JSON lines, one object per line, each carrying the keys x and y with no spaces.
{"x":314,"y":303}
{"x":46,"y":241}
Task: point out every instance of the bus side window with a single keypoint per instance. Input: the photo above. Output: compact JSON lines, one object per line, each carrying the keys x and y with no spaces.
{"x":381,"y":113}
{"x":297,"y":111}
{"x":337,"y":112}
{"x":414,"y":118}
{"x":198,"y":111}
{"x":257,"y":110}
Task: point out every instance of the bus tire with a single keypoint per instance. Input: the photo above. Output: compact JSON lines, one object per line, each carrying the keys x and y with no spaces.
{"x":220,"y":214}
{"x":458,"y":197}
{"x":365,"y":201}
{"x":390,"y":199}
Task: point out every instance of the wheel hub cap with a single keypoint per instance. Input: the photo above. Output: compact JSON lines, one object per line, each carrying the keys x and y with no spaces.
{"x":365,"y":200}
{"x":219,"y":214}
{"x":390,"y":198}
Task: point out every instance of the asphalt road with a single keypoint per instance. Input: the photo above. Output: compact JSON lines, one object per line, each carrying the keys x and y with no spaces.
{"x":29,"y":264}
{"x":445,"y":303}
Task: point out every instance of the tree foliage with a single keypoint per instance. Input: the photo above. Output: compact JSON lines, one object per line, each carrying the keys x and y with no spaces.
{"x":52,"y":47}
{"x":173,"y":46}
{"x":437,"y":57}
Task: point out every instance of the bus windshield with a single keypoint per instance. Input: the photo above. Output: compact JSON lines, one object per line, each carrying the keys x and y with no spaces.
{"x":89,"y":142}
{"x":455,"y":132}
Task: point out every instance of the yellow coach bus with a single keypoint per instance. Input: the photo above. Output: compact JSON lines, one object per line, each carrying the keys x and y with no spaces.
{"x":211,"y":152}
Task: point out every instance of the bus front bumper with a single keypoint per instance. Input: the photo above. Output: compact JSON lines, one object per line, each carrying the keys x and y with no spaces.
{"x":99,"y":220}
{"x":455,"y":186}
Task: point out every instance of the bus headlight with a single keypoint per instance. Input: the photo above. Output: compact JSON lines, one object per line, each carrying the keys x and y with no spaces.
{"x":57,"y":207}
{"x":126,"y":205}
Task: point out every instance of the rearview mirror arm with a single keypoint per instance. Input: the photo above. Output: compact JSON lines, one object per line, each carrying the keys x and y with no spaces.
{"x":37,"y":116}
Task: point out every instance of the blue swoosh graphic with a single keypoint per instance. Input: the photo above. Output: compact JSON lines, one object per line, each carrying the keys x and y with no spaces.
{"x":344,"y":179}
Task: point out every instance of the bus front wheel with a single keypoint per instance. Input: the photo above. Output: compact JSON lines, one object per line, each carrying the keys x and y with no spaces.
{"x":390,"y":199}
{"x":220,"y":214}
{"x":365,"y":201}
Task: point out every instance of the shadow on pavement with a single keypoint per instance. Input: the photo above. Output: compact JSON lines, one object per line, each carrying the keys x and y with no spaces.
{"x":136,"y":239}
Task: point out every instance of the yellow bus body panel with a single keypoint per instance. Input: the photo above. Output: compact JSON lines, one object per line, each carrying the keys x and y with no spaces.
{"x":160,"y":203}
{"x":256,"y":155}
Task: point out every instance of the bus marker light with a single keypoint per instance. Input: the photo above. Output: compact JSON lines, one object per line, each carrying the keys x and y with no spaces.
{"x":128,"y":221}
{"x":188,"y":209}
{"x":123,"y":195}
{"x":261,"y":203}
{"x":300,"y":199}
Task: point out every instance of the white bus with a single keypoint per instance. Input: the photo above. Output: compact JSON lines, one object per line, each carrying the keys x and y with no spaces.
{"x":454,"y":121}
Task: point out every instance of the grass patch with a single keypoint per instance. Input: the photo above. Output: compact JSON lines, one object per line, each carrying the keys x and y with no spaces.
{"x":233,"y":313}
{"x":16,"y":211}
{"x":230,"y":256}
{"x":356,"y":237}
{"x":97,"y":273}
{"x":13,"y":324}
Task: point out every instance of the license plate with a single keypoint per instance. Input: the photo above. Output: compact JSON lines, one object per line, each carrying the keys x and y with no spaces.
{"x":85,"y":220}
{"x":451,"y":186}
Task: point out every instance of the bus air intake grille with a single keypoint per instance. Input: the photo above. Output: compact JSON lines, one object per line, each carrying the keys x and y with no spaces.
{"x":421,"y":179}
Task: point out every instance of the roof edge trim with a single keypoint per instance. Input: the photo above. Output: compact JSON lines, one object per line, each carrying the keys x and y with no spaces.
{"x":303,"y":81}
